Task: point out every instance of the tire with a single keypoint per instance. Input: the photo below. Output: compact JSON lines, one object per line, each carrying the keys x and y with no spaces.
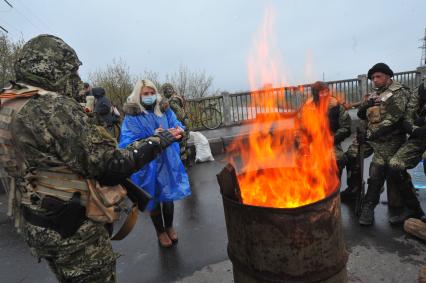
{"x":211,"y":118}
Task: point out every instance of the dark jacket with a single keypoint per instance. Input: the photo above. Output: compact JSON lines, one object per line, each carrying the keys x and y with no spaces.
{"x":102,"y":107}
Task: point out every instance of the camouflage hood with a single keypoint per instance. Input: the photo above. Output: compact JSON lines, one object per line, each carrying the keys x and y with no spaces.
{"x":168,"y":90}
{"x":46,"y":61}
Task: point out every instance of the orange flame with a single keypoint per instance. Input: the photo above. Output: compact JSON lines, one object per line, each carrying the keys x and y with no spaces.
{"x":304,"y":167}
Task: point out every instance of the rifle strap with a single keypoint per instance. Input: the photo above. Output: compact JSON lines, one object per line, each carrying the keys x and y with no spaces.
{"x":128,"y":224}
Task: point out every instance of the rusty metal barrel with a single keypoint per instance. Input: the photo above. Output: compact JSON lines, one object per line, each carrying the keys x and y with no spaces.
{"x":303,"y":244}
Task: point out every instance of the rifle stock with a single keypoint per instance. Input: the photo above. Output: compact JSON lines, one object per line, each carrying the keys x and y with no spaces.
{"x":136,"y":194}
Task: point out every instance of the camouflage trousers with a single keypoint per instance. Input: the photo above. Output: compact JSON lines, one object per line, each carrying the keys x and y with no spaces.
{"x":409,"y":154}
{"x":382,"y":153}
{"x":86,"y":256}
{"x":340,"y":158}
{"x":183,"y":145}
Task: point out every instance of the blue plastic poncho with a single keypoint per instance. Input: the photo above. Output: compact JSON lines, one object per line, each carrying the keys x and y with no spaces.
{"x":165,"y":177}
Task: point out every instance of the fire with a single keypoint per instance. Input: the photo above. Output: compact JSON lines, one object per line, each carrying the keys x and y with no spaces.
{"x":304,"y":167}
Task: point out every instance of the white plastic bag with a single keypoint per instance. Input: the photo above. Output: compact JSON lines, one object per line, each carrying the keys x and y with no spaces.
{"x":202,"y":147}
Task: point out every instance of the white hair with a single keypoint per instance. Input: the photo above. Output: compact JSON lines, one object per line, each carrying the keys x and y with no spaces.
{"x":135,"y":96}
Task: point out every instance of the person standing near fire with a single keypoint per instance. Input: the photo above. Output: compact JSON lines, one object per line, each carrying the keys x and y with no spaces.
{"x":164,"y":178}
{"x":177,"y":104}
{"x":384,"y":113}
{"x":50,"y":142}
{"x":339,"y":120}
{"x":409,"y":155}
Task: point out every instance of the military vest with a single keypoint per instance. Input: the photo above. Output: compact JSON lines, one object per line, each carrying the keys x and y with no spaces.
{"x":28,"y":186}
{"x":375,"y":113}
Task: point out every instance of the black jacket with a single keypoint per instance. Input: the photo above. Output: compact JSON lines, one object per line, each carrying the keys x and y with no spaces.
{"x":102,"y":107}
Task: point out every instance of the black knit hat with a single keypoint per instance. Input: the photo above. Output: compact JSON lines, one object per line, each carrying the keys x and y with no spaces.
{"x":380,"y":67}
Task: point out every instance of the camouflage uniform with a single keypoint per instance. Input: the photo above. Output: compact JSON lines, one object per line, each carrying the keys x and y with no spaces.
{"x":338,"y":118}
{"x":409,"y":155}
{"x":177,"y":104}
{"x":340,"y":123}
{"x":52,"y":131}
{"x":385,"y":136}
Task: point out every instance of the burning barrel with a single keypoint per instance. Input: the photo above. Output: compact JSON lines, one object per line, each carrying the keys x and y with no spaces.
{"x":267,"y":244}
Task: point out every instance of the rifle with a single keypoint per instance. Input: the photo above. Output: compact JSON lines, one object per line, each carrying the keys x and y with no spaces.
{"x":136,"y":194}
{"x":360,"y":136}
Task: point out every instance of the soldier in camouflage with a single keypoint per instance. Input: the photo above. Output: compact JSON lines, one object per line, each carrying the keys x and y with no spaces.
{"x":410,"y":154}
{"x":50,"y":131}
{"x":177,"y":104}
{"x":384,"y":112}
{"x":339,"y":120}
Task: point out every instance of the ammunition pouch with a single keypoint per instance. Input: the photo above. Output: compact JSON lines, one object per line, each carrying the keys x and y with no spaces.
{"x":103,"y":201}
{"x":63,"y":217}
{"x":373,"y":115}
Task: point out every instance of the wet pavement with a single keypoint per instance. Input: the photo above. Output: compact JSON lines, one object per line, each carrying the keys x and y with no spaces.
{"x":380,"y":253}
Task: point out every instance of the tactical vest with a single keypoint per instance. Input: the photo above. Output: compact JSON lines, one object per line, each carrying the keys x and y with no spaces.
{"x":29,"y":186}
{"x":375,"y":113}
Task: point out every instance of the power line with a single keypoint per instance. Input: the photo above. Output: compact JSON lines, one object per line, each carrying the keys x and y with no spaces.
{"x":5,"y":30}
{"x":7,"y":2}
{"x":25,"y":17}
{"x":43,"y":24}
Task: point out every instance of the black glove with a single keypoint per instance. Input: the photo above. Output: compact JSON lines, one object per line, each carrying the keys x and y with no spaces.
{"x":166,"y":138}
{"x":419,"y":132}
{"x":420,"y":121}
{"x":408,"y":128}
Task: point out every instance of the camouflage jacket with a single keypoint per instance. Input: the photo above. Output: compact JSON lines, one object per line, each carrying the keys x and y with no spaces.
{"x":178,"y":106}
{"x":340,"y":122}
{"x":53,"y":130}
{"x":386,"y":117}
{"x":415,"y":107}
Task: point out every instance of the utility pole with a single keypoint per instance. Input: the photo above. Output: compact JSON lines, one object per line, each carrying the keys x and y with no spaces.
{"x":423,"y":47}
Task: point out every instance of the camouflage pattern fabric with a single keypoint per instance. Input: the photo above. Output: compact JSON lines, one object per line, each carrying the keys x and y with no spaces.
{"x":52,"y":130}
{"x":409,"y":154}
{"x":344,"y":122}
{"x":86,"y":256}
{"x":392,"y":111}
{"x":176,"y":103}
{"x":46,"y":61}
{"x":352,"y":151}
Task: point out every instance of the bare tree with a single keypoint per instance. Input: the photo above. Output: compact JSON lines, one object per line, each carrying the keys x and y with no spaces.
{"x":191,"y":84}
{"x":8,"y":54}
{"x":116,"y":80}
{"x":152,"y":76}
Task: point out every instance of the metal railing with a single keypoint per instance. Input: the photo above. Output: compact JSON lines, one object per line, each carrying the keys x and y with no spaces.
{"x":237,"y":108}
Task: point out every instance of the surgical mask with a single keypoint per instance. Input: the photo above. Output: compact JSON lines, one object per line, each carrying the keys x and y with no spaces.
{"x":148,"y":99}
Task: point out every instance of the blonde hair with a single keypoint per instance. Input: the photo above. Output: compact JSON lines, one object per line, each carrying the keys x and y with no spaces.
{"x":134,"y":97}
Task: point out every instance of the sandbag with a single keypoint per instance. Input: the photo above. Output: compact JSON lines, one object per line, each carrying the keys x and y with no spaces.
{"x":202,"y":147}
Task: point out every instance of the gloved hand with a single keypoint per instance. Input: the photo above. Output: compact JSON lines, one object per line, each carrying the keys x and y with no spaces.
{"x":167,"y":137}
{"x":419,"y":132}
{"x":408,"y":128}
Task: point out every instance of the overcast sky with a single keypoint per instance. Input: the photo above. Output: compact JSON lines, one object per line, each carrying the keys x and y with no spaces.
{"x":337,"y":38}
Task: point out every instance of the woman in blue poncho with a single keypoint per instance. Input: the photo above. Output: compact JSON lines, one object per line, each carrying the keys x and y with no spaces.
{"x":165,"y":177}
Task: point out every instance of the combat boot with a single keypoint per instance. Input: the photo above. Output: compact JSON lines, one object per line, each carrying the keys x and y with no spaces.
{"x":414,"y":210}
{"x":353,"y":181}
{"x":367,"y":214}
